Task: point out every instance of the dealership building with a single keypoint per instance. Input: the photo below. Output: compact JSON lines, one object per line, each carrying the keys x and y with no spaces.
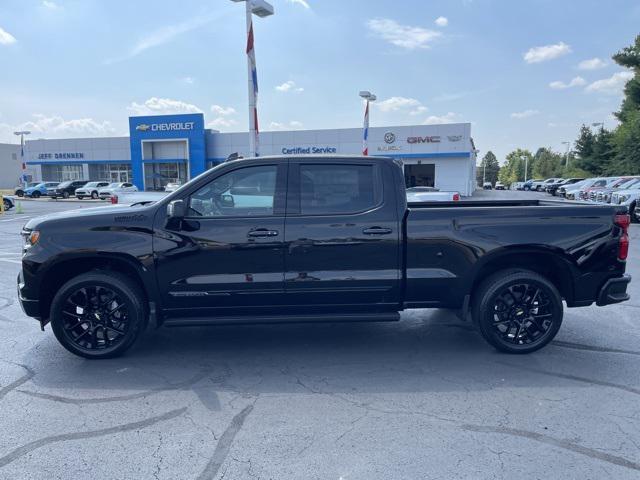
{"x":170,"y":148}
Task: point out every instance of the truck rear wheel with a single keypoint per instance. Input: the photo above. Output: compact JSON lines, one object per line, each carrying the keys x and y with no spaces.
{"x":98,"y":314}
{"x":517,"y":311}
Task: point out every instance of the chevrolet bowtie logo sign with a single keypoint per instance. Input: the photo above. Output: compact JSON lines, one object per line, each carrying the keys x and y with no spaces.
{"x":143,"y":127}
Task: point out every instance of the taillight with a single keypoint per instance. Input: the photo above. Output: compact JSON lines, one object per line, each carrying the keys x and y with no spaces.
{"x":114,"y":198}
{"x":623,"y":221}
{"x":456,"y":197}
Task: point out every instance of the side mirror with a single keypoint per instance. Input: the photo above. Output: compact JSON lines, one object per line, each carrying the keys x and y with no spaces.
{"x":227,"y":201}
{"x":176,"y":209}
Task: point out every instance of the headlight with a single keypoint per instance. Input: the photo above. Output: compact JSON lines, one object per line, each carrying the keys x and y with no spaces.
{"x":31,"y":237}
{"x":623,"y":198}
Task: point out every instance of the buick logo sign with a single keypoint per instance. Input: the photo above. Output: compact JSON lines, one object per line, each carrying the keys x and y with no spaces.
{"x":389,"y":137}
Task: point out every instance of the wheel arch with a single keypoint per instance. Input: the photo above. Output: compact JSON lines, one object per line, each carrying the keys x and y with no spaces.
{"x":550,"y":263}
{"x":64,"y":269}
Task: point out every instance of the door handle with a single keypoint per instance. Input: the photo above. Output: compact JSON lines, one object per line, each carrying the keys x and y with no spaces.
{"x":377,"y":231}
{"x":262,"y":232}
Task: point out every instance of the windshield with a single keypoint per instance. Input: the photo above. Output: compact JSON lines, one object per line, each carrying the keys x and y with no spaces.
{"x":113,"y":185}
{"x":64,"y":184}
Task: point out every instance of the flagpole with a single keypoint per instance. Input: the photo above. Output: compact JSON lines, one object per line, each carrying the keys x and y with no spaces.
{"x":369,"y":97}
{"x":252,"y":86}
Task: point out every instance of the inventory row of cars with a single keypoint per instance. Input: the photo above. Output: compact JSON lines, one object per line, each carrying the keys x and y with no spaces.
{"x":78,"y":188}
{"x":620,"y":190}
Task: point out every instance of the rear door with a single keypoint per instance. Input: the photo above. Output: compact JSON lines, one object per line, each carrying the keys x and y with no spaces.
{"x":341,"y":235}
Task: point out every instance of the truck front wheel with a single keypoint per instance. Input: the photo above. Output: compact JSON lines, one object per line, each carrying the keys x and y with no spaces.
{"x":98,"y":314}
{"x":517,"y":311}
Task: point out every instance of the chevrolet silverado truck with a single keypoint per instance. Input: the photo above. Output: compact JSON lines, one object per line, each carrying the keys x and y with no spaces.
{"x":317,"y":239}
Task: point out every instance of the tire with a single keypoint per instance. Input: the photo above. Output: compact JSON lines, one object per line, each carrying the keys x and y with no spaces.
{"x":510,"y":296}
{"x":19,"y":193}
{"x":527,"y":188}
{"x":92,"y":334}
{"x":7,"y":205}
{"x":94,"y":195}
{"x":79,"y":197}
{"x":632,"y":210}
{"x":36,"y":194}
{"x":65,"y":194}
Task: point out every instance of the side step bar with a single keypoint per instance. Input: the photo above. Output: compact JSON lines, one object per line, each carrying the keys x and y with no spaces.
{"x":266,"y":319}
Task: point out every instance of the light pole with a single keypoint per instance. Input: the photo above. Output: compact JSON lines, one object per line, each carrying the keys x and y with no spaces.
{"x":21,"y":134}
{"x":566,"y":162}
{"x":526,"y":166}
{"x":261,"y":9}
{"x":369,"y":97}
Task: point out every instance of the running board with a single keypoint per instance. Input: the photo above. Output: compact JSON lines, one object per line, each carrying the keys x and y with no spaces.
{"x":266,"y":319}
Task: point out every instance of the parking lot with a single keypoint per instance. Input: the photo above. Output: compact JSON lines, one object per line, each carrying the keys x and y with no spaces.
{"x":422,"y":398}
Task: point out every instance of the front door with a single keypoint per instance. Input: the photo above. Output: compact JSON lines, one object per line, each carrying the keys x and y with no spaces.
{"x":227,"y":254}
{"x":342,"y":236}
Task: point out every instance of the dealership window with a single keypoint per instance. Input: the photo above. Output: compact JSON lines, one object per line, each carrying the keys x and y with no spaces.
{"x":335,"y":189}
{"x":61,"y":173}
{"x":158,"y":175}
{"x":110,"y":172}
{"x":420,"y":175}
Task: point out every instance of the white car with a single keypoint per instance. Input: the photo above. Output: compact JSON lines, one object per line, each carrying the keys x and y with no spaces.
{"x":629,"y":197}
{"x":499,"y":186}
{"x":172,"y":186}
{"x":540,"y":186}
{"x":116,"y":188}
{"x":430,"y":194}
{"x":130,"y":198}
{"x":90,"y":190}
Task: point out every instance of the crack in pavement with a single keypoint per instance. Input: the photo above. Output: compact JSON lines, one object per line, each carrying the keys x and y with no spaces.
{"x":86,"y":401}
{"x":549,"y":440}
{"x":15,"y":384}
{"x":592,"y":348}
{"x":224,"y":444}
{"x":575,"y":378}
{"x":31,"y":446}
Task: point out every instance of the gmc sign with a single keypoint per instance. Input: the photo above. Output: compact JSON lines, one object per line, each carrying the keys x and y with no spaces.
{"x":429,"y":139}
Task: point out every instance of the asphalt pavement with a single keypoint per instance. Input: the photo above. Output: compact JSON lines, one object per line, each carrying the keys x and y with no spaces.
{"x":423,"y":398}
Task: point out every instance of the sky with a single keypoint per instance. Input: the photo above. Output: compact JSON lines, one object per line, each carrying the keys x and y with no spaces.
{"x":524,"y":73}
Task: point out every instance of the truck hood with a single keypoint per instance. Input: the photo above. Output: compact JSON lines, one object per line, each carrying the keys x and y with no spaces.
{"x":34,"y":223}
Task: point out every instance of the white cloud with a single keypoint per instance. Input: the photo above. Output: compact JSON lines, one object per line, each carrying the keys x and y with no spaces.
{"x":449,"y":117}
{"x":419,"y":110}
{"x":164,"y":35}
{"x":188,"y":80}
{"x":403,"y":36}
{"x":50,"y":5}
{"x":292,"y":125}
{"x":162,"y":106}
{"x":592,"y":64}
{"x":575,"y":82}
{"x":6,"y":38}
{"x":221,"y":123}
{"x":524,"y":114}
{"x":441,"y":21}
{"x":57,"y":127}
{"x":546,"y":52}
{"x":612,"y":85}
{"x":393,"y":104}
{"x":302,"y":3}
{"x":223,"y":111}
{"x":289,"y":86}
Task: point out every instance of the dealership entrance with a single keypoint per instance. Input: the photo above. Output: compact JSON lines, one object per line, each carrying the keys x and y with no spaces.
{"x":165,"y":161}
{"x":420,"y":175}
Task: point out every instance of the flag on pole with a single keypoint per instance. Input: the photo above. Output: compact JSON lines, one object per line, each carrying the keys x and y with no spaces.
{"x":24,"y":167}
{"x":365,"y":148}
{"x":251,"y":54}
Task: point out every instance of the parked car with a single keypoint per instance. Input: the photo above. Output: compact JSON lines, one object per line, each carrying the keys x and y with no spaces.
{"x":90,"y":190}
{"x":554,"y":187}
{"x":66,"y":189}
{"x":629,"y":198}
{"x":39,"y":190}
{"x":430,"y":194}
{"x":575,"y":191}
{"x":589,"y":193}
{"x":604,"y":195}
{"x":8,"y":201}
{"x":499,"y":186}
{"x":528,"y":185}
{"x":239,"y":244}
{"x":562,"y":190}
{"x":135,"y":198}
{"x":172,"y":186}
{"x":487,"y":186}
{"x":541,"y":185}
{"x":115,"y":188}
{"x":19,"y":191}
{"x":516,"y":186}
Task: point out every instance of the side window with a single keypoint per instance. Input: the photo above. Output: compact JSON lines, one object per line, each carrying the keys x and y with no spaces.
{"x":327,"y":189}
{"x":246,"y":192}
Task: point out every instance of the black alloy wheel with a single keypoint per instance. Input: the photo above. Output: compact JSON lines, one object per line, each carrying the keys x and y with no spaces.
{"x":98,"y":314}
{"x":518,"y":311}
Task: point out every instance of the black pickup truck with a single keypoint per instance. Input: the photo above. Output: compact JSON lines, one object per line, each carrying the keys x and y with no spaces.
{"x":316,"y":239}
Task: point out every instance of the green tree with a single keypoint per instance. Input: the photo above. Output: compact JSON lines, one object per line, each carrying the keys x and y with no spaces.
{"x":488,"y":169}
{"x":629,"y":57}
{"x":584,"y":148}
{"x":513,"y":168}
{"x":547,"y":163}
